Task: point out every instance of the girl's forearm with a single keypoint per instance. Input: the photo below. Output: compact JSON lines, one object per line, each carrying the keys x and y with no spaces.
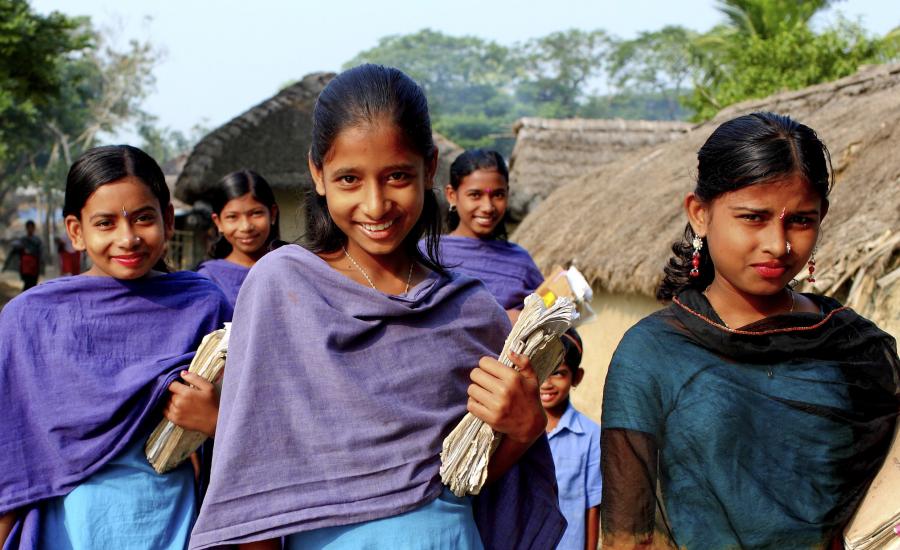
{"x":592,"y":528}
{"x":7,"y":521}
{"x":508,"y":453}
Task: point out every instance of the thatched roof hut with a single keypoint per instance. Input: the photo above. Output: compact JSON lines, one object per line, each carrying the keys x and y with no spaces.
{"x":273,"y":138}
{"x":617,"y":222}
{"x":551,"y":153}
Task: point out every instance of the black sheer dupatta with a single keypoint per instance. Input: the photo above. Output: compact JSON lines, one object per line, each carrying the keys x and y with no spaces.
{"x":633,"y":509}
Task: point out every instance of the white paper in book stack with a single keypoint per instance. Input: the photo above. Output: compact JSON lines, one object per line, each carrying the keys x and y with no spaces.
{"x":170,"y":445}
{"x":467,"y":450}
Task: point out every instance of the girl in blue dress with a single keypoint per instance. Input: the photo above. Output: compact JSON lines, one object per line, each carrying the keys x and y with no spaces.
{"x":353,"y":356}
{"x":85,"y":364}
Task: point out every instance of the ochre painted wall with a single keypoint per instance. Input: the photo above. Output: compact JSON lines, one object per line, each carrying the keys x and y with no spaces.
{"x":616,"y":313}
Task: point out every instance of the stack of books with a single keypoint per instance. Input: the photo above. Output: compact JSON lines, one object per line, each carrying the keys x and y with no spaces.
{"x":170,"y":445}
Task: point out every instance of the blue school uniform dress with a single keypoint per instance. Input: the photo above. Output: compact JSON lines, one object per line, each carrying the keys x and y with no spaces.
{"x":126,"y":504}
{"x":85,"y":364}
{"x":575,"y":446}
{"x":444,"y":523}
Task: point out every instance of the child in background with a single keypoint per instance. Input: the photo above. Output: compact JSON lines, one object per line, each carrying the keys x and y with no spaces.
{"x":85,"y":362}
{"x":575,"y":445}
{"x":352,"y":357}
{"x":246,"y":216}
{"x":26,"y":257}
{"x":478,"y":194}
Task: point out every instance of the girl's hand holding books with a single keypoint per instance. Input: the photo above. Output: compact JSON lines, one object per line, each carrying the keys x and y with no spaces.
{"x":194,"y":404}
{"x":508,"y":400}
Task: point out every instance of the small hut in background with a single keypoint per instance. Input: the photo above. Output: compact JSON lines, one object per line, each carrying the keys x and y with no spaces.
{"x":549,"y":153}
{"x":273,"y":139}
{"x":617,"y":223}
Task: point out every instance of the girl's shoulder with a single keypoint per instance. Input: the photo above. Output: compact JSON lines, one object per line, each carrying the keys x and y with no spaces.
{"x":220,"y":264}
{"x":285,"y":259}
{"x":651,"y":335}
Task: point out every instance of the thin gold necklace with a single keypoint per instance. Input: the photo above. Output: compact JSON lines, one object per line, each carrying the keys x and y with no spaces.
{"x":366,"y":275}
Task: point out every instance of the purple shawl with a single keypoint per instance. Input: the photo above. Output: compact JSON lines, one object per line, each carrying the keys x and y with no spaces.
{"x":229,"y":276}
{"x":504,"y":267}
{"x":336,"y":399}
{"x":83,"y":363}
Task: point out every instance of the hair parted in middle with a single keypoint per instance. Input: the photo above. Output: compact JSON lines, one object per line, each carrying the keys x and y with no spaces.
{"x":108,"y":164}
{"x":756,"y":148}
{"x":369,"y":94}
{"x":233,"y":186}
{"x":467,"y":162}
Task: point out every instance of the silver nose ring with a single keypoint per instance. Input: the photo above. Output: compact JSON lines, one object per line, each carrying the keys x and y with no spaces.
{"x":788,"y":246}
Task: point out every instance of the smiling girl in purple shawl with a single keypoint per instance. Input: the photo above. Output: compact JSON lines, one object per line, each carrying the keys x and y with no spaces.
{"x":85,"y":362}
{"x":246,"y":216}
{"x":478,"y":194}
{"x":352,"y":358}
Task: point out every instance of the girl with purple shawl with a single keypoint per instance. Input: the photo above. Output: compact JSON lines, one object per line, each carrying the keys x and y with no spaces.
{"x":85,"y":362}
{"x":352,"y":358}
{"x":246,"y":217}
{"x":478,"y":193}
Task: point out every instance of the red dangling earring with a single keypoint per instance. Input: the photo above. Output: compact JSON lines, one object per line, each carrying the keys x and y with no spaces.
{"x":697,"y":243}
{"x":811,"y":265}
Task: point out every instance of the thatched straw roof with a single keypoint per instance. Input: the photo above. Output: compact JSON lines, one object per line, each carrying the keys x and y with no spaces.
{"x":551,"y":153}
{"x":618,"y":222}
{"x":273,"y":139}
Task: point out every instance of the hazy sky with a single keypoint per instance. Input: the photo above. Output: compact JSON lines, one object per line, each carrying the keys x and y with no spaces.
{"x":222,"y":57}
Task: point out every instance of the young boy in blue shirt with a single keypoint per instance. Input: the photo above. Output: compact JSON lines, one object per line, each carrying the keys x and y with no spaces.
{"x":575,"y":445}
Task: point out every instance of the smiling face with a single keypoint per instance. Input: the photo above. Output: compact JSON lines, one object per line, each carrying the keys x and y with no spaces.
{"x":748,"y":231}
{"x":122,"y":229}
{"x":246,"y":224}
{"x":480,"y":201}
{"x":555,"y":389}
{"x":374,"y":184}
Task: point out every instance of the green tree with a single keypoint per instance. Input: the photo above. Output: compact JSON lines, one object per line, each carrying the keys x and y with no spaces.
{"x":33,"y":52}
{"x":768,"y":46}
{"x":656,"y":64}
{"x":88,"y":87}
{"x":557,"y":68}
{"x":467,"y":81}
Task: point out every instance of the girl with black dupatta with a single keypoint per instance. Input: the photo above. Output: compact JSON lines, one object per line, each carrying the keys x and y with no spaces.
{"x":746,"y":415}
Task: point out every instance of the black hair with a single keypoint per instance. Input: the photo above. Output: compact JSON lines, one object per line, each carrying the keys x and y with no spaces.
{"x":466,"y":163}
{"x":363,"y":95}
{"x":101,"y":165}
{"x":31,"y":223}
{"x":574,"y":349}
{"x":236,"y":185}
{"x":750,"y":149}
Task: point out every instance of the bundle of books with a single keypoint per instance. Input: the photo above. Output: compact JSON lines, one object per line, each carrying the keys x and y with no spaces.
{"x":170,"y":445}
{"x":467,"y":450}
{"x":876,"y":523}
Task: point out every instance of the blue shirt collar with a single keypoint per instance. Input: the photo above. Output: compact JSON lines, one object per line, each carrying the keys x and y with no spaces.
{"x":568,"y":421}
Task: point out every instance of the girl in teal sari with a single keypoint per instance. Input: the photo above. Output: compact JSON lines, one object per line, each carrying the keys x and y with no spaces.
{"x":745,"y":414}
